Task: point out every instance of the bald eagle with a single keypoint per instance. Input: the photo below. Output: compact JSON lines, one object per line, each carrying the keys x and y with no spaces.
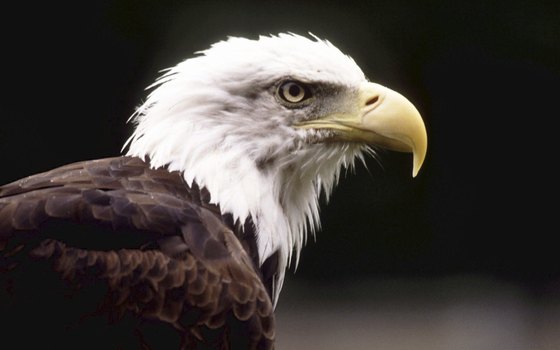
{"x":183,"y":242}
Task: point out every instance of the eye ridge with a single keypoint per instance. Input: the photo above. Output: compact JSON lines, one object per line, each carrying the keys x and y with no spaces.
{"x":294,"y":92}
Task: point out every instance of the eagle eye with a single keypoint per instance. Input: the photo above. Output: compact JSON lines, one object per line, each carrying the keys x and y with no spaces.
{"x":293,"y":92}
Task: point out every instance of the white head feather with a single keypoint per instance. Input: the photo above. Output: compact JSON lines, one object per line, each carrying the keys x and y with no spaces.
{"x":215,"y":118}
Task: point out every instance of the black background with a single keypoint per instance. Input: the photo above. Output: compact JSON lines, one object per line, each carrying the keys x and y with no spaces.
{"x":485,"y":76}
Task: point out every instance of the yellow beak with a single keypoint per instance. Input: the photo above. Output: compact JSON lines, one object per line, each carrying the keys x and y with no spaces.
{"x":382,"y":118}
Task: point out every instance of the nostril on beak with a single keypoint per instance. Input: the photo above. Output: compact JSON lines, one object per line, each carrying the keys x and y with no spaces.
{"x":372,"y":100}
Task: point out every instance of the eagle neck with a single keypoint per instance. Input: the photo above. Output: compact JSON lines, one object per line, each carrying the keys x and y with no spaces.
{"x":251,"y":198}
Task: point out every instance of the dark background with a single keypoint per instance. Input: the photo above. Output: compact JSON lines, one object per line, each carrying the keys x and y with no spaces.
{"x":485,"y":76}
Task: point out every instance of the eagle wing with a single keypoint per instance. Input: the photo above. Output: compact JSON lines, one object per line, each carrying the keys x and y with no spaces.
{"x":112,"y":245}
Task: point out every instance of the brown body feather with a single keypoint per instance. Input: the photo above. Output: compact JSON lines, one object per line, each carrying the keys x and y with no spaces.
{"x":112,"y":254}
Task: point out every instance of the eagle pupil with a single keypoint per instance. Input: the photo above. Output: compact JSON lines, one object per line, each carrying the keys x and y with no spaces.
{"x":294,"y":90}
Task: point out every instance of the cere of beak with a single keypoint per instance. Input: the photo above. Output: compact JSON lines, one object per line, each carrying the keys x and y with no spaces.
{"x":384,"y":118}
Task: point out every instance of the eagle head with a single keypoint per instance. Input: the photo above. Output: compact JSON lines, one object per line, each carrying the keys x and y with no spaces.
{"x":266,"y":125}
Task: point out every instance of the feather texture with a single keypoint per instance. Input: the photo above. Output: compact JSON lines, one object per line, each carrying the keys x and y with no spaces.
{"x":159,"y":253}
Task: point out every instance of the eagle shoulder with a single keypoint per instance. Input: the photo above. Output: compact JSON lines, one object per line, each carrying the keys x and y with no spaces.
{"x":112,"y":241}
